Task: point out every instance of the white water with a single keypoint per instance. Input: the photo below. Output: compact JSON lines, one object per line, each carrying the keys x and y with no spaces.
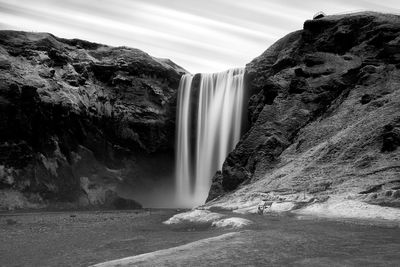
{"x":209,"y":121}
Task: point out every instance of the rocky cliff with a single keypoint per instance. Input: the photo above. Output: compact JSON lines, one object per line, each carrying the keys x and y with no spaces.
{"x":82,"y":123}
{"x":324,"y":114}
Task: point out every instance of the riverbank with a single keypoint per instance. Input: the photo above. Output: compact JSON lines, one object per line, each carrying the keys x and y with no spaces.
{"x":334,"y":207}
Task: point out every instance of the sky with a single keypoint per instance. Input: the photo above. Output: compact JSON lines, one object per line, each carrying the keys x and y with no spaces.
{"x":199,"y":35}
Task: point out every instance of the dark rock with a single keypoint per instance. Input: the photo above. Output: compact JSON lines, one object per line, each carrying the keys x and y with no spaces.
{"x":80,"y":44}
{"x":301,"y":73}
{"x":371,"y":62}
{"x":232,"y":177}
{"x":365,"y":99}
{"x":317,"y":26}
{"x":388,"y":193}
{"x":218,"y":189}
{"x":380,"y":39}
{"x":123,"y":204}
{"x":29,"y":92}
{"x":73,"y":83}
{"x":47,"y":73}
{"x":265,"y":96}
{"x":391,"y":137}
{"x":81,"y":81}
{"x":103,"y":72}
{"x":344,"y":38}
{"x":283,"y":64}
{"x":311,"y":60}
{"x":372,"y":189}
{"x":59,"y":58}
{"x":121,"y":80}
{"x":391,"y":52}
{"x":316,"y":188}
{"x":5,"y":64}
{"x":80,"y":68}
{"x":298,"y":86}
{"x":117,"y":202}
{"x":319,"y":15}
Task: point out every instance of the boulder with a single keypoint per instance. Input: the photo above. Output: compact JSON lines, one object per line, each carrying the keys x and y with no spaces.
{"x":114,"y":201}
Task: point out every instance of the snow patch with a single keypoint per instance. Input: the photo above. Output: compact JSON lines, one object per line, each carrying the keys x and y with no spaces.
{"x":242,"y":205}
{"x":351,"y":209}
{"x":207,"y":217}
{"x":281,"y":206}
{"x":233,"y":222}
{"x":253,"y":209}
{"x":262,"y":207}
{"x":169,"y":256}
{"x":195,"y":216}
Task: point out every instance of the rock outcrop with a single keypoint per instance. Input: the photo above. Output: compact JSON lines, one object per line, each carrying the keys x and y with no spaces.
{"x":81,"y":121}
{"x":324,"y":115}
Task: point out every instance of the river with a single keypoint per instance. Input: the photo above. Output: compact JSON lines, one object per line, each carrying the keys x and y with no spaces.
{"x":88,"y":237}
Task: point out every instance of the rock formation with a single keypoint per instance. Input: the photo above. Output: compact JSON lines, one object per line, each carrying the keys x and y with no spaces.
{"x":81,"y":121}
{"x":324,"y":114}
{"x":90,"y":125}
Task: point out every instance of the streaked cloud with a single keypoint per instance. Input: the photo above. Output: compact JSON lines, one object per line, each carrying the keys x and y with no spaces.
{"x":201,"y":36}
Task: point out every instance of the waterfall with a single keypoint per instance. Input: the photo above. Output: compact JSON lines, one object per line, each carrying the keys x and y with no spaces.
{"x":209,"y":120}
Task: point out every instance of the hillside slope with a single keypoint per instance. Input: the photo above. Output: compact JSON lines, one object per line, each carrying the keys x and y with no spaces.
{"x":81,"y":122}
{"x":324,"y":117}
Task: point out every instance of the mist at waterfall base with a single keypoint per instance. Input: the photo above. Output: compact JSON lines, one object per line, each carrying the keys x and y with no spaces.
{"x":208,"y":127}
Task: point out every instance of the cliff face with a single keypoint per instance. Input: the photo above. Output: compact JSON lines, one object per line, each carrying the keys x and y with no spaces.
{"x":81,"y":121}
{"x":324,"y":114}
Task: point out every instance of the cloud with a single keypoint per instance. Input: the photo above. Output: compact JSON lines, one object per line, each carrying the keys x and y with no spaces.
{"x":202,"y":36}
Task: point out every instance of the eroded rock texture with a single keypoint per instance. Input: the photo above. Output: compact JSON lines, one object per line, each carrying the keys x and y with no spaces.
{"x":324,"y":111}
{"x":81,"y":121}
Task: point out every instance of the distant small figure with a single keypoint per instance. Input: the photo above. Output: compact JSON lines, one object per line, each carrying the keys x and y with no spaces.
{"x":260,"y":210}
{"x":319,"y":15}
{"x":262,"y":207}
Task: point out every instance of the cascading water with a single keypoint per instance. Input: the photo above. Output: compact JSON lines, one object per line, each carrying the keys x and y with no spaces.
{"x":209,"y":121}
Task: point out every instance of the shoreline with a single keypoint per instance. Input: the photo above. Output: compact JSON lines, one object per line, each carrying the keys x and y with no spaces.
{"x":335,"y":207}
